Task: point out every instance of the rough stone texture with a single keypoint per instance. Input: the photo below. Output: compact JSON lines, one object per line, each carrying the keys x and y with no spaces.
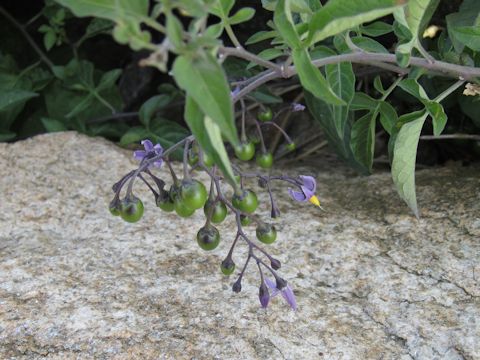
{"x":372,"y":282}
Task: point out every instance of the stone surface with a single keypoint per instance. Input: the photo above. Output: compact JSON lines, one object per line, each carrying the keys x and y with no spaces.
{"x":372,"y":282}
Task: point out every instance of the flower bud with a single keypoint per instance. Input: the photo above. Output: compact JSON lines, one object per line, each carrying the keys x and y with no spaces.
{"x":237,"y":285}
{"x":263,"y":295}
{"x":281,"y":283}
{"x":275,"y":264}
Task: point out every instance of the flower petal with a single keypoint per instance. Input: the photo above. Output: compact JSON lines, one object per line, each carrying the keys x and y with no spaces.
{"x":139,"y":154}
{"x":158,"y":163}
{"x":158,"y":149}
{"x":273,"y":286}
{"x":309,"y":182}
{"x":289,"y":296}
{"x":147,"y":144}
{"x":297,"y":195}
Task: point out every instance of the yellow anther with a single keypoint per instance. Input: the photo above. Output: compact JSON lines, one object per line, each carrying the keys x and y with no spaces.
{"x":314,"y":200}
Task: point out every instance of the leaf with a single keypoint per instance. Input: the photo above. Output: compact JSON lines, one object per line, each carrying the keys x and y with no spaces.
{"x":414,"y":17}
{"x":267,"y":54}
{"x":439,"y":118}
{"x":12,"y":98}
{"x":204,"y":80}
{"x":174,"y":31}
{"x":388,"y":116}
{"x":340,"y":15}
{"x":362,"y":101}
{"x":134,"y":135}
{"x":363,"y":139}
{"x":312,"y":79}
{"x":261,"y":36}
{"x":377,"y":28}
{"x":404,"y":157}
{"x":469,"y":36}
{"x":6,"y":135}
{"x":264,"y":96}
{"x":282,"y":18}
{"x":49,"y":39}
{"x":151,"y":106}
{"x":242,"y":15}
{"x":108,"y":9}
{"x":53,"y":125}
{"x":209,"y":142}
{"x":467,"y":16}
{"x":412,"y":87}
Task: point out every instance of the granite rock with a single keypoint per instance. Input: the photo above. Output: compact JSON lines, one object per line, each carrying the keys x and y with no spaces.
{"x":372,"y":281}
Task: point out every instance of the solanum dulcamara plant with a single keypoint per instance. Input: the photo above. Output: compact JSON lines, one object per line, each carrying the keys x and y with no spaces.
{"x":315,"y":41}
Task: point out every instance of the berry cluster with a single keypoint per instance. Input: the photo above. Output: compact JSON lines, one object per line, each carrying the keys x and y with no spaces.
{"x":185,"y":196}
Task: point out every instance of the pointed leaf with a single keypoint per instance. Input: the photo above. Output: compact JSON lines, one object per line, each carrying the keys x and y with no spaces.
{"x":204,"y":80}
{"x":285,"y":25}
{"x":312,"y":79}
{"x":363,"y":139}
{"x":340,"y":15}
{"x":404,"y":157}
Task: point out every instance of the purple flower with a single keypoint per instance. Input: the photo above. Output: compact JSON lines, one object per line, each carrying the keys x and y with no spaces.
{"x":286,"y":292}
{"x":149,"y":152}
{"x":307,"y":185}
{"x":235,"y":91}
{"x":297,"y":107}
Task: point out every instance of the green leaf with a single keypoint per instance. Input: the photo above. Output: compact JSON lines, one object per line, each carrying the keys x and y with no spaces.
{"x":49,"y":39}
{"x":134,"y":135}
{"x":388,"y":116}
{"x":404,"y":157}
{"x":377,"y":84}
{"x":412,"y":87}
{"x":264,"y":96}
{"x":439,"y":118}
{"x":362,"y":101}
{"x":108,"y":9}
{"x":282,"y":18}
{"x":53,"y":125}
{"x":469,"y":36}
{"x":377,"y":28}
{"x":468,"y":15}
{"x":261,"y":36}
{"x":340,"y":15}
{"x":267,"y":54}
{"x":414,"y":17}
{"x":210,"y":141}
{"x":312,"y":79}
{"x":6,"y":135}
{"x":241,"y":16}
{"x":174,"y":31}
{"x":12,"y":98}
{"x":363,"y":139}
{"x":204,"y":80}
{"x":151,"y":106}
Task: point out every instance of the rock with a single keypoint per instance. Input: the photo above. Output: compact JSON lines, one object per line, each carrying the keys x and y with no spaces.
{"x":372,"y":281}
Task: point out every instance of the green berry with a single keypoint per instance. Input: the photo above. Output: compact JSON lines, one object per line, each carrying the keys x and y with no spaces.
{"x":227,"y":267}
{"x":246,"y":201}
{"x":266,"y":233}
{"x":131,"y":209}
{"x":219,"y":211}
{"x":181,"y":209}
{"x":245,"y":151}
{"x":265,"y":115}
{"x":193,"y":193}
{"x":114,"y":207}
{"x":208,"y":237}
{"x":265,"y":160}
{"x":165,"y":202}
{"x":291,"y":146}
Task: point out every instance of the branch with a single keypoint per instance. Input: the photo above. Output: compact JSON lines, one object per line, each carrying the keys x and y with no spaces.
{"x":450,"y":137}
{"x":441,"y":67}
{"x":27,"y":36}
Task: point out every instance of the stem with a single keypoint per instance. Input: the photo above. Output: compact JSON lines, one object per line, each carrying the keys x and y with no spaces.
{"x":243,"y":54}
{"x":448,"y":91}
{"x":443,"y":68}
{"x":450,"y":137}
{"x":231,"y":35}
{"x":27,"y":36}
